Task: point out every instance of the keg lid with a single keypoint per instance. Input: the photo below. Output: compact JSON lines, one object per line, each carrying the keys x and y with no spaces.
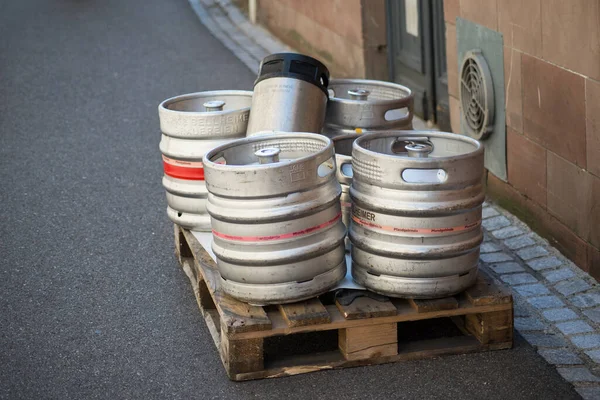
{"x":295,"y":66}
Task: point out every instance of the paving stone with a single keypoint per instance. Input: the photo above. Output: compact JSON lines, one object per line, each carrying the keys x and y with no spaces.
{"x":536,"y":289}
{"x":520,"y":310}
{"x":507,"y":232}
{"x":529,"y":324}
{"x":586,"y":341}
{"x":578,"y":374}
{"x":593,"y":314}
{"x":542,"y":303}
{"x":567,"y":288}
{"x":559,"y":314}
{"x":573,"y":327}
{"x":518,"y":279}
{"x":557,"y":276}
{"x":544,"y":263}
{"x":519,"y":242}
{"x":589,"y":393}
{"x":489,"y":248}
{"x":560,"y":356}
{"x":594,"y":355}
{"x":586,"y":300}
{"x":491,"y":224}
{"x":506,"y":267}
{"x":495,"y":257}
{"x":543,"y":340}
{"x":532,"y":252}
{"x":488,"y":212}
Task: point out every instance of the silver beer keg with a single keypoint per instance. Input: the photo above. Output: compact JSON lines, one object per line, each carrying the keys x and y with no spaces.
{"x":416,"y":216}
{"x":191,"y":125}
{"x":290,"y":95}
{"x":361,"y":105}
{"x":274,"y":202}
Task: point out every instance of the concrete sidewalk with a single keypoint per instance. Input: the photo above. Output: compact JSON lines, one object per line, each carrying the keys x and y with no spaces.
{"x":94,"y":304}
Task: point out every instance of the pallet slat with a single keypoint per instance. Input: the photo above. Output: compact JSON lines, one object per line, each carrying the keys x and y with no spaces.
{"x":486,"y":292}
{"x":447,"y":303}
{"x":309,"y":312}
{"x":366,"y":307}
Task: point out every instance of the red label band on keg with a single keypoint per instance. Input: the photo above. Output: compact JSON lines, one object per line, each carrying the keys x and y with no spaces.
{"x":366,"y":218}
{"x":346,"y":204}
{"x":189,"y":170}
{"x":278,"y":237}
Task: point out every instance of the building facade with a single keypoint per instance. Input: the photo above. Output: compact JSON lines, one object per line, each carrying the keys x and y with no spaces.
{"x":550,"y":104}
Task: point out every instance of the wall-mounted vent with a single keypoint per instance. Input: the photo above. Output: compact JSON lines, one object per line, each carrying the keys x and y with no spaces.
{"x":481,"y":91}
{"x":476,"y":96}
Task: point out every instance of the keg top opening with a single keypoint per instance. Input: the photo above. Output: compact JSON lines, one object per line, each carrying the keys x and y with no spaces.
{"x":295,"y":66}
{"x":419,"y":145}
{"x":213,"y":101}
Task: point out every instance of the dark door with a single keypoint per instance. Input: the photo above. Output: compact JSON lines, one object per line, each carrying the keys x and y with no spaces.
{"x":417,"y":55}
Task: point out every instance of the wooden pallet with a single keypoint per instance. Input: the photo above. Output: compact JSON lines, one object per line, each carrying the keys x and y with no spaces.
{"x":249,"y":338}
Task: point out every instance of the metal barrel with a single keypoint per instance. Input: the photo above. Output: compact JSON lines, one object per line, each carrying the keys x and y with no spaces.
{"x":416,"y":212}
{"x":361,"y":105}
{"x":343,"y":172}
{"x":290,"y":95}
{"x":192,"y":124}
{"x":274,"y":204}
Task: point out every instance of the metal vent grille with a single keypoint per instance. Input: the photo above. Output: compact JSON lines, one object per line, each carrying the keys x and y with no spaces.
{"x":476,"y":95}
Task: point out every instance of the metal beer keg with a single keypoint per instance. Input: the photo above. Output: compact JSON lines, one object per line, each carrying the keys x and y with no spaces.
{"x":191,"y":125}
{"x":274,"y":202}
{"x":416,"y":217}
{"x":360,"y":105}
{"x":290,"y":95}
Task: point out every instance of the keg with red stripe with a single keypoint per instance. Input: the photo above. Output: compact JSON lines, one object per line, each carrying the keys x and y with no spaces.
{"x":416,"y":212}
{"x":191,"y":125}
{"x":274,"y":202}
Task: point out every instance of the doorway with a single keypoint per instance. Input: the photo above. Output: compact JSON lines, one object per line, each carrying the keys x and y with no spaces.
{"x":417,"y":55}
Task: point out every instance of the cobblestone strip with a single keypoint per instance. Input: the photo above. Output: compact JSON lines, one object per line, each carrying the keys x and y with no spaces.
{"x":250,"y":43}
{"x":557,"y":305}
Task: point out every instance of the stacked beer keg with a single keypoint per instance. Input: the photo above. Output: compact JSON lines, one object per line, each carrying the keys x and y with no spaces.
{"x":284,"y":172}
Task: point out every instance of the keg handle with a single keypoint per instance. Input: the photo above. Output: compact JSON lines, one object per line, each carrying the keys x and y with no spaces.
{"x":389,"y":114}
{"x":344,"y":177}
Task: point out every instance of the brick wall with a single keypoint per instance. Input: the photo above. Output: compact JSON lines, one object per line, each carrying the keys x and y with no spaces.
{"x":552,"y":87}
{"x":344,"y":34}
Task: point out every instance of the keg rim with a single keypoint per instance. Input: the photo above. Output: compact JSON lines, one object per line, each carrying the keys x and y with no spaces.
{"x":287,"y":58}
{"x":391,"y":85}
{"x":163,"y":106}
{"x":357,"y":145}
{"x":206,"y":160}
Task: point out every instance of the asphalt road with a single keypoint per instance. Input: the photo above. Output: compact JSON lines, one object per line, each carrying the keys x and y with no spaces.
{"x":92,"y":301}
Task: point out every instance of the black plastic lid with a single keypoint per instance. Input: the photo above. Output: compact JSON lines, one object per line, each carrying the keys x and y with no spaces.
{"x":296,"y":66}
